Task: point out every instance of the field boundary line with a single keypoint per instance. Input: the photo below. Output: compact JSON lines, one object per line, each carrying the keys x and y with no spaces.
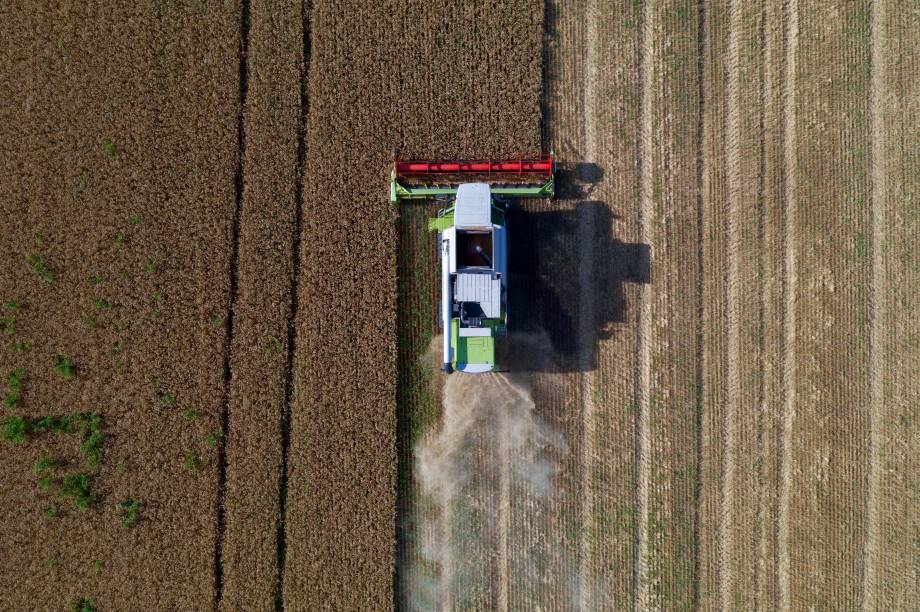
{"x":445,"y":575}
{"x":878,"y":175}
{"x":704,"y":196}
{"x":733,"y":383}
{"x":586,"y":316}
{"x":281,"y":527}
{"x":772,"y":304}
{"x":644,"y":329}
{"x":758,"y":540}
{"x":232,"y":298}
{"x":790,"y":161}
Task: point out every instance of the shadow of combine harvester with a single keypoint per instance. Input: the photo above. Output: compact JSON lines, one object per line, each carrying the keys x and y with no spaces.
{"x":568,"y":272}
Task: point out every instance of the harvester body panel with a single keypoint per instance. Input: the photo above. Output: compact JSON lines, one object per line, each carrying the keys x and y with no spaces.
{"x":473,"y":245}
{"x":474,"y":279}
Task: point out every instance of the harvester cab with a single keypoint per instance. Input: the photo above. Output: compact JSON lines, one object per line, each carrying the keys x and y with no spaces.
{"x":473,"y":245}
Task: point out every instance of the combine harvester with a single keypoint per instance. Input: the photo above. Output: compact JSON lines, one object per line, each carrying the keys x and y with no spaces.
{"x":473,"y":243}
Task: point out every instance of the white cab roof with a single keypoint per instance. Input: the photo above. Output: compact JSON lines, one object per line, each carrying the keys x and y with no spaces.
{"x":473,"y":207}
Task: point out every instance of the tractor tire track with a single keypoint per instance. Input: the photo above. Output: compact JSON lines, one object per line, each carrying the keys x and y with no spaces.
{"x":504,"y":502}
{"x":232,"y":303}
{"x":733,"y":384}
{"x":771,"y":308}
{"x":711,"y":358}
{"x":644,"y":339}
{"x":761,"y":492}
{"x":789,"y":296}
{"x":878,"y":185}
{"x":586,"y":315}
{"x":586,"y":218}
{"x":447,"y":560}
{"x":250,"y":556}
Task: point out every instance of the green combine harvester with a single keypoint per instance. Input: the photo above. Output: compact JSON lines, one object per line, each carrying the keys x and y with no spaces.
{"x":473,"y":245}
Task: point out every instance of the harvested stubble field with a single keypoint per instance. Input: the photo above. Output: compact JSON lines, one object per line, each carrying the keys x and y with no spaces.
{"x":215,"y":328}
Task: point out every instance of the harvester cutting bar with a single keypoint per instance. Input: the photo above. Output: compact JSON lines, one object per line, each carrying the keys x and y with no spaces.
{"x":514,"y":178}
{"x":515,"y":166}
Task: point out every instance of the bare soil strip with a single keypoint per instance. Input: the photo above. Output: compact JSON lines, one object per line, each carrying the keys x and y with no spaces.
{"x":790,"y":273}
{"x":829,"y":451}
{"x":268,"y":228}
{"x":596,"y":213}
{"x":877,"y":304}
{"x":675,"y":294}
{"x":771,"y":405}
{"x":713,"y":246}
{"x":892,"y":550}
{"x":119,"y":147}
{"x":733,"y":409}
{"x":735,"y":292}
{"x":586,"y":314}
{"x":644,"y":340}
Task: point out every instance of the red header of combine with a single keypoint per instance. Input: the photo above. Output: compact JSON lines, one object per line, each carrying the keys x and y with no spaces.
{"x":542,"y":166}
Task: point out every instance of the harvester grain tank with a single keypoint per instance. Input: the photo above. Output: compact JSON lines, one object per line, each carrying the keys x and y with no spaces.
{"x":473,"y":245}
